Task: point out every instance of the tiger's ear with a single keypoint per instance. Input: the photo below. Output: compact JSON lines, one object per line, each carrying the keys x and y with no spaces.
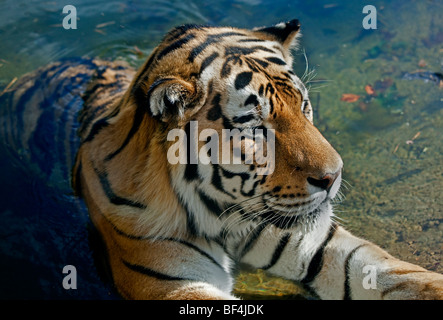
{"x":170,"y":97}
{"x":284,"y":32}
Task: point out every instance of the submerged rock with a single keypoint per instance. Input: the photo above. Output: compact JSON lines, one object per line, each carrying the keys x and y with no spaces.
{"x":426,"y":76}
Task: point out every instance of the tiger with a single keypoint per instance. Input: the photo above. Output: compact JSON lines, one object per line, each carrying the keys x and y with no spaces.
{"x":181,"y":231}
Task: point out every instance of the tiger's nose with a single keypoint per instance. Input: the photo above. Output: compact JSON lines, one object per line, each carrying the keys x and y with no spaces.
{"x":324,"y":182}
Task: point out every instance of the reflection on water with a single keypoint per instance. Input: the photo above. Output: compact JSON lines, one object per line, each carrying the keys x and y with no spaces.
{"x":388,"y":132}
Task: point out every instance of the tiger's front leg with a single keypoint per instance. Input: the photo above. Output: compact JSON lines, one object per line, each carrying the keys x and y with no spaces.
{"x":165,"y":268}
{"x":365,"y":271}
{"x":337,"y":265}
{"x":170,"y":268}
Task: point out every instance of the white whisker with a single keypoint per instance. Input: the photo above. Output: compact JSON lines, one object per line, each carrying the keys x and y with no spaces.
{"x":229,"y":209}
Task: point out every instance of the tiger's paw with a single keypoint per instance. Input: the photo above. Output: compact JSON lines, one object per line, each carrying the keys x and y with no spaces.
{"x":420,"y":286}
{"x":199,"y":291}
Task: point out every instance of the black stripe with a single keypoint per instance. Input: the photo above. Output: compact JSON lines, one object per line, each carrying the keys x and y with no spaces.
{"x":269,"y":88}
{"x":243,"y":79}
{"x":86,"y":118}
{"x":197,"y":50}
{"x":271,"y":106}
{"x":227,"y":34}
{"x":211,"y":39}
{"x":191,"y":172}
{"x":244,"y":176}
{"x":264,"y":64}
{"x":151,"y":273}
{"x":243,"y":119}
{"x":127,"y":235}
{"x":190,"y":221}
{"x":175,"y":45}
{"x":221,"y":240}
{"x":278,"y":251}
{"x":124,"y":234}
{"x":92,"y":90}
{"x":276,"y":61}
{"x":316,"y":263}
{"x":283,"y":84}
{"x":239,"y":51}
{"x":260,"y":90}
{"x":42,"y":140}
{"x":191,"y":225}
{"x":287,"y":79}
{"x":252,"y":99}
{"x":194,"y":247}
{"x":96,"y":128}
{"x":227,"y":124}
{"x":39,"y":84}
{"x":181,"y":30}
{"x":63,"y":131}
{"x":215,"y":112}
{"x":347,"y":289}
{"x":99,"y":124}
{"x":217,"y":181}
{"x":139,"y":115}
{"x":251,"y":40}
{"x":253,"y":65}
{"x":113,"y":198}
{"x":143,"y":73}
{"x":207,"y":61}
{"x":151,"y":238}
{"x":211,"y":204}
{"x":74,"y":142}
{"x":142,"y":99}
{"x":226,"y":68}
{"x":77,"y":186}
{"x":253,"y":239}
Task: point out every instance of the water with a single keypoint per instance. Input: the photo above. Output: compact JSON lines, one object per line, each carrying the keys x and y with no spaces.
{"x":390,"y":142}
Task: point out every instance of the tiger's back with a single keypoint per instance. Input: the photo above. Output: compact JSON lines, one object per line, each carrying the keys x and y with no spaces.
{"x":44,"y":226}
{"x":41,"y":112}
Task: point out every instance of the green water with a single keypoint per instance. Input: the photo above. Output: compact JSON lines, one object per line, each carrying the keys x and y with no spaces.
{"x":391,"y":142}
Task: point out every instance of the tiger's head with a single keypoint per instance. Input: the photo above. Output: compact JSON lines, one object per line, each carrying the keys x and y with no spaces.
{"x":158,"y":156}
